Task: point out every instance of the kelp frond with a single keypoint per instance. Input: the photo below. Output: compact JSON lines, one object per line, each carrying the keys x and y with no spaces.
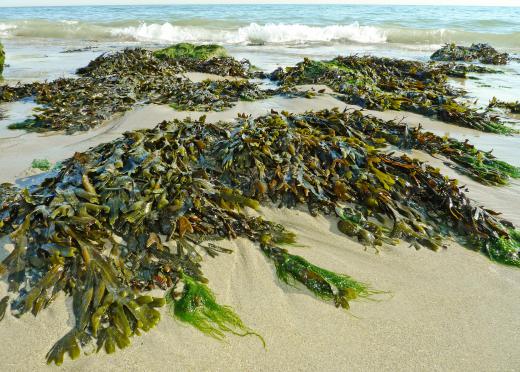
{"x":197,"y":306}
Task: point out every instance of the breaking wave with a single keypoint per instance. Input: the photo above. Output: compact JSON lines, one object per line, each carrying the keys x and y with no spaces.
{"x":253,"y":33}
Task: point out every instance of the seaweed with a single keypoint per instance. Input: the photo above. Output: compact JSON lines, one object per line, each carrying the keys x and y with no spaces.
{"x":2,"y":59}
{"x":393,"y":84}
{"x":197,"y":306}
{"x":323,"y":283}
{"x":41,"y":164}
{"x":187,"y":50}
{"x":483,"y":53}
{"x":117,"y":82}
{"x":468,"y":160}
{"x":513,"y":107}
{"x":137,"y":214}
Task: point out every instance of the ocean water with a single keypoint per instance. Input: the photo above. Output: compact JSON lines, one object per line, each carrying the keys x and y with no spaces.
{"x":269,"y":24}
{"x":268,"y":35}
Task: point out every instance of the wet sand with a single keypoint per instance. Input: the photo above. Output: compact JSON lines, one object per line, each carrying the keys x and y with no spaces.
{"x":450,"y":310}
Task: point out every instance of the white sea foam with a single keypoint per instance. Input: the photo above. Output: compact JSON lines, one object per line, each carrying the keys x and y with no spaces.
{"x":4,"y":29}
{"x":69,"y":22}
{"x":253,"y":33}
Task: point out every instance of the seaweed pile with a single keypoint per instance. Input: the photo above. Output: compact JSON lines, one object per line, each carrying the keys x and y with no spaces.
{"x":385,"y":83}
{"x":483,"y":53}
{"x":480,"y":165}
{"x":139,"y":212}
{"x":513,"y":107}
{"x":191,"y":51}
{"x":116,"y":82}
{"x":460,"y":70}
{"x":223,"y":66}
{"x":211,"y":58}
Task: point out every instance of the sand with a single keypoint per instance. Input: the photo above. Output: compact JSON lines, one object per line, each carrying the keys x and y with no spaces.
{"x":450,"y":310}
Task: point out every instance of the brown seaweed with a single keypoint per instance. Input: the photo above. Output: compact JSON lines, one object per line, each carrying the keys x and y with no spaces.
{"x":116,"y":82}
{"x":384,"y":83}
{"x":513,"y":107}
{"x":483,"y":53}
{"x":135,"y":214}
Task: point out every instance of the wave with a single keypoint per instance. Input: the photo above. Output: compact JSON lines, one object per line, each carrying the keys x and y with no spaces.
{"x":254,"y":33}
{"x":232,"y":33}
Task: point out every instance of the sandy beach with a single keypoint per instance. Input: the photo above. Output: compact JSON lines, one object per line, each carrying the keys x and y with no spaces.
{"x":136,"y":214}
{"x":449,"y":310}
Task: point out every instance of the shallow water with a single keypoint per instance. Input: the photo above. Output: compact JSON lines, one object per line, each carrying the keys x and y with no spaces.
{"x":16,"y":112}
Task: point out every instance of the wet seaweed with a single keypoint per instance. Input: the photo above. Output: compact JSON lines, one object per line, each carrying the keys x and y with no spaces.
{"x":116,"y":82}
{"x":187,"y":50}
{"x":2,"y":59}
{"x":140,"y":212}
{"x":41,"y":164}
{"x":513,"y":107}
{"x":323,"y":283}
{"x":483,"y":53}
{"x":482,"y":166}
{"x":391,"y":84}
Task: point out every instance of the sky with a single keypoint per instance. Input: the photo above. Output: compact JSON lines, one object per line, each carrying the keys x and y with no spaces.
{"x":134,"y":2}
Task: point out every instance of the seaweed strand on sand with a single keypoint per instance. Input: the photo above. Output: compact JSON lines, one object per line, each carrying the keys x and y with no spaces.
{"x":197,"y":306}
{"x":140,"y":212}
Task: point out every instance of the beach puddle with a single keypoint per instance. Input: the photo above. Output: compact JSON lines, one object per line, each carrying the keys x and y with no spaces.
{"x":15,"y":112}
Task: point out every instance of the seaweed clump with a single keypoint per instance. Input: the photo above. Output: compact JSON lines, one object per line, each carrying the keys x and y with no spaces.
{"x":212,"y":59}
{"x":197,"y":306}
{"x":114,"y":83}
{"x":482,"y":166}
{"x":513,"y":107}
{"x":187,"y":50}
{"x":384,"y":83}
{"x":483,"y":53}
{"x":138,"y":213}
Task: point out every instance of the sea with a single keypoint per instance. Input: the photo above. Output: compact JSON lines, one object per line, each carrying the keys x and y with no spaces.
{"x":49,"y":42}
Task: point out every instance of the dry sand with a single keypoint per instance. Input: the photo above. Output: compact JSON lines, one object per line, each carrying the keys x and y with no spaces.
{"x":450,"y":310}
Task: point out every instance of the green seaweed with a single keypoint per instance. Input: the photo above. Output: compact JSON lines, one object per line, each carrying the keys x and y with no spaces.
{"x":134,"y":214}
{"x":29,"y":125}
{"x":187,"y":50}
{"x":504,"y":249}
{"x":483,"y":53}
{"x":197,"y":306}
{"x":385,"y":83}
{"x":513,"y":107}
{"x":116,"y":82}
{"x":41,"y":164}
{"x":325,"y":284}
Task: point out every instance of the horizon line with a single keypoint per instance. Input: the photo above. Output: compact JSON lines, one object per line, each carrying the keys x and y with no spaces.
{"x":261,"y":3}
